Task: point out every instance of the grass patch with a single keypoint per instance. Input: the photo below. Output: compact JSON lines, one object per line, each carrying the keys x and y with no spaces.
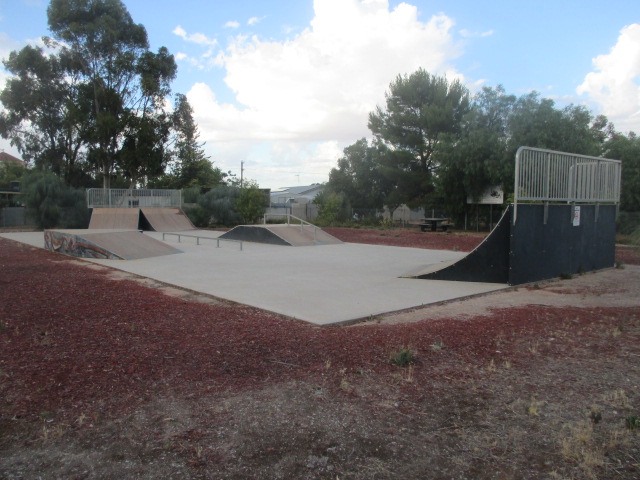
{"x":632,"y":422}
{"x":403,"y":357}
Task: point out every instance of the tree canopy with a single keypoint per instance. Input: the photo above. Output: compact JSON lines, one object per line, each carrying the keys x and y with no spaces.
{"x":422,"y":110}
{"x":435,"y":145}
{"x":91,"y":105}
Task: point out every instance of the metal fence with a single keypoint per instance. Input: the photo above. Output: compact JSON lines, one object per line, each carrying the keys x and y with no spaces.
{"x":550,"y":176}
{"x":130,"y":198}
{"x":13,"y":217}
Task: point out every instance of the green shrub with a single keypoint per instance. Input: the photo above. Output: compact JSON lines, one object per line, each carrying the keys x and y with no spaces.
{"x":632,"y":422}
{"x":51,"y":203}
{"x":198,"y":215}
{"x":403,"y":357}
{"x":219,"y":205}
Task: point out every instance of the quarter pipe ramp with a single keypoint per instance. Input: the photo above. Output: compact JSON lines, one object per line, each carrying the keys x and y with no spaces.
{"x":547,"y":241}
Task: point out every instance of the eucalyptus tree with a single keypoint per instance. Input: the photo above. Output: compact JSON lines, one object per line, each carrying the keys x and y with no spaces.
{"x":125,"y":81}
{"x":42,"y":114}
{"x":93,"y":99}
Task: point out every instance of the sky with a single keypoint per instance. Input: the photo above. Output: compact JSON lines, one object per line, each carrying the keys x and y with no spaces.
{"x":281,"y":87}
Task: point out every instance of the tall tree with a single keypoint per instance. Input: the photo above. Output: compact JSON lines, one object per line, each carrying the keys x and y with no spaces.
{"x":192,"y":166}
{"x":479,"y":158}
{"x":627,"y":149}
{"x":111,"y":56}
{"x":42,"y":117}
{"x":421,"y":110}
{"x":358,"y":176}
{"x":536,"y":122}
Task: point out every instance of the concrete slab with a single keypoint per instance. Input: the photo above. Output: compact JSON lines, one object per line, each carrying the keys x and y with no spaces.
{"x":325,"y":284}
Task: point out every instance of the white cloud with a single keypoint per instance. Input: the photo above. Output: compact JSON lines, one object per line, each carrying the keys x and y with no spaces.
{"x":197,"y":38}
{"x":232,"y":24}
{"x":469,"y":34}
{"x":253,"y":21}
{"x":317,"y":88}
{"x":615,"y":83}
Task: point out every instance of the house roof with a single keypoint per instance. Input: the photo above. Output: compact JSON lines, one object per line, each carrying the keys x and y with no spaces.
{"x":300,"y":190}
{"x":5,"y":157}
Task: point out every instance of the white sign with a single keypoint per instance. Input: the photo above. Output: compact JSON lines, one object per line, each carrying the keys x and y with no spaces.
{"x":576,"y":216}
{"x":491,"y":196}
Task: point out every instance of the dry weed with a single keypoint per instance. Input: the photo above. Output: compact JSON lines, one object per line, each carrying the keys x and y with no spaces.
{"x":579,"y":446}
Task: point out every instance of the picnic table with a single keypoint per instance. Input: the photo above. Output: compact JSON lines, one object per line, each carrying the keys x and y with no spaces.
{"x":433,"y":224}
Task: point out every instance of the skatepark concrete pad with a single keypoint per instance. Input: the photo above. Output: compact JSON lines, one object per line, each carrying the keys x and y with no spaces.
{"x":108,"y":244}
{"x":324,"y":285}
{"x":281,"y":234}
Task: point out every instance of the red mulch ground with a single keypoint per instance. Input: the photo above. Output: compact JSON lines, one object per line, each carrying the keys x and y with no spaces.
{"x":463,"y":242}
{"x":84,"y":355}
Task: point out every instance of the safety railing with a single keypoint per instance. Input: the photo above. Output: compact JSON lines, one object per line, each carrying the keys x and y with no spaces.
{"x":198,"y":238}
{"x":132,"y":198}
{"x":550,"y":176}
{"x":293,"y":220}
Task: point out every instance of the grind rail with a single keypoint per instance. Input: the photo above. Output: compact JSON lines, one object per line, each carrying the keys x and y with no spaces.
{"x":198,"y":238}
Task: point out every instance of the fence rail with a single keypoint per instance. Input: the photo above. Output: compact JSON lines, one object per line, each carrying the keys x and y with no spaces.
{"x":550,"y":176}
{"x":131,"y":198}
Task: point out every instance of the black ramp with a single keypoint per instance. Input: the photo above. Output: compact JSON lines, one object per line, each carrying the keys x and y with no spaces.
{"x":487,"y":263}
{"x":541,"y":250}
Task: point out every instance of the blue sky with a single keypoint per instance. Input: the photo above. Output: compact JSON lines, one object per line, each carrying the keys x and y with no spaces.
{"x":285,"y":85}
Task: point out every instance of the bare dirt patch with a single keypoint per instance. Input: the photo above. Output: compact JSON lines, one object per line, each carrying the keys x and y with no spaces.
{"x":104,"y":377}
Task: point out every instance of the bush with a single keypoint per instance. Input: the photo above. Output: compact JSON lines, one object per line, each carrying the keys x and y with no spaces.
{"x":250,"y":204}
{"x":51,"y":203}
{"x":403,"y":357}
{"x":219,"y":205}
{"x":628,"y":223}
{"x":332,"y":209}
{"x":198,"y":215}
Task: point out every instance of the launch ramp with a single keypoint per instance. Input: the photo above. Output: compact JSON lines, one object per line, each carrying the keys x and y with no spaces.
{"x":164,"y":220}
{"x":108,"y":244}
{"x":304,"y":234}
{"x":154,"y":219}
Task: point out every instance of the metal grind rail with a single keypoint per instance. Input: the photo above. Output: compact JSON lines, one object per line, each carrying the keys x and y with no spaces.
{"x":198,"y":238}
{"x":303,"y":223}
